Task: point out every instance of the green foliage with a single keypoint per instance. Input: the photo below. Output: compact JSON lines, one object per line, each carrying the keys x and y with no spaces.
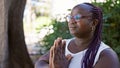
{"x":41,"y":22}
{"x":111,"y":29}
{"x":60,"y":30}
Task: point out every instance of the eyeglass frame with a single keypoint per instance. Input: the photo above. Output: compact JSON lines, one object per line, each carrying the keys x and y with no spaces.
{"x":73,"y":17}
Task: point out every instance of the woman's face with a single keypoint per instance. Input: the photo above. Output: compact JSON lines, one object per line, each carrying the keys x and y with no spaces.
{"x":80,"y":22}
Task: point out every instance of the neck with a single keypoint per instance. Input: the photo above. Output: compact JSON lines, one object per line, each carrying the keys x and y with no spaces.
{"x":83,"y":42}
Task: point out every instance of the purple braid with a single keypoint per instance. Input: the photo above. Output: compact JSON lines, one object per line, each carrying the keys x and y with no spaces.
{"x":88,"y":59}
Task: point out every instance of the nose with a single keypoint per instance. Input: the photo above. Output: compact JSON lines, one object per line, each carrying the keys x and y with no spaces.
{"x":72,"y":21}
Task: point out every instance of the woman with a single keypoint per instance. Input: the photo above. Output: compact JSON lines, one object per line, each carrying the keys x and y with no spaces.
{"x":86,"y":49}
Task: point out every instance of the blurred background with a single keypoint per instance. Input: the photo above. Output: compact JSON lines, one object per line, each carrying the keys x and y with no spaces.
{"x":44,"y":21}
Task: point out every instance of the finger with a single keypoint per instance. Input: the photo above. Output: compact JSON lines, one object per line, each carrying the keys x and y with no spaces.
{"x":59,"y":42}
{"x":56,"y":44}
{"x":58,"y":50}
{"x":63,"y":47}
{"x":51,"y":57}
{"x":69,"y":57}
{"x":55,"y":49}
{"x":51,"y":51}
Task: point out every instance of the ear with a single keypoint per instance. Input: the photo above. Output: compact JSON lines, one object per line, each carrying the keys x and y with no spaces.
{"x":94,"y":22}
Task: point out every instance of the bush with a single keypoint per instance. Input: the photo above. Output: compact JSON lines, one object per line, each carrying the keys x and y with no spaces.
{"x":111,"y":28}
{"x":60,"y":30}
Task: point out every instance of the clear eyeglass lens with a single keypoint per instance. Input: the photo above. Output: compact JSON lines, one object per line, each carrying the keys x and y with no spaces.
{"x":77,"y":17}
{"x":69,"y":18}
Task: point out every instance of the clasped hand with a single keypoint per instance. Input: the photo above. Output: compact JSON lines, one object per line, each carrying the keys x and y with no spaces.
{"x":57,"y":55}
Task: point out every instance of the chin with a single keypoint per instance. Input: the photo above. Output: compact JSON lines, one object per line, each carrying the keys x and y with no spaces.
{"x":76,"y":35}
{"x":73,"y":33}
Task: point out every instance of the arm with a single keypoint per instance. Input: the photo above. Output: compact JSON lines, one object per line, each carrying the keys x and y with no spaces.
{"x":43,"y":61}
{"x":108,"y":59}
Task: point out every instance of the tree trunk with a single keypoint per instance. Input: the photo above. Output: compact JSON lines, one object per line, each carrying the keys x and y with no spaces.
{"x":18,"y":55}
{"x":13,"y":51}
{"x":3,"y":36}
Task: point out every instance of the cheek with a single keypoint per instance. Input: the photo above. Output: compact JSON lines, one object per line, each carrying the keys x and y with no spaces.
{"x":81,"y":25}
{"x":84,"y":26}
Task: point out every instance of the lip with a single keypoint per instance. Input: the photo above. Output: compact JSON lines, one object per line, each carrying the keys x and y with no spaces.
{"x":72,"y":27}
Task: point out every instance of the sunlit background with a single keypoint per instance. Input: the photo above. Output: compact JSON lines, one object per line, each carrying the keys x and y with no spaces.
{"x":38,"y":16}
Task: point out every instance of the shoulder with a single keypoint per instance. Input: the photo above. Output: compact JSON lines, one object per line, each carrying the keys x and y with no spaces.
{"x":43,"y":61}
{"x":108,"y":59}
{"x":44,"y":57}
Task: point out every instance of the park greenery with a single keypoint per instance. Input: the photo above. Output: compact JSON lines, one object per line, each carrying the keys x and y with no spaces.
{"x":111,"y":26}
{"x":111,"y":33}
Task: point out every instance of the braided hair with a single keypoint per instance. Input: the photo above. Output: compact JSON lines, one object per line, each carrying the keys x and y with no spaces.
{"x":89,"y":57}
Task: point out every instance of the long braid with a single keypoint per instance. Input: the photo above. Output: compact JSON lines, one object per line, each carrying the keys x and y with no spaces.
{"x":88,"y":59}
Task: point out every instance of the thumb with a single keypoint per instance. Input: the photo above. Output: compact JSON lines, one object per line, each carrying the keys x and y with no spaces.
{"x":69,"y":57}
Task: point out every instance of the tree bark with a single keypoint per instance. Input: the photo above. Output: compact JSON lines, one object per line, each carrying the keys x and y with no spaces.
{"x":13,"y":51}
{"x":18,"y":55}
{"x":3,"y":36}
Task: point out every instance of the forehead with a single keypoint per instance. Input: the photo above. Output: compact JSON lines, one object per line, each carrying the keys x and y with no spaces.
{"x":82,"y":9}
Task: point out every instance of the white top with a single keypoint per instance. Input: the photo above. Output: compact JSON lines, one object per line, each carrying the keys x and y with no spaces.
{"x":77,"y":57}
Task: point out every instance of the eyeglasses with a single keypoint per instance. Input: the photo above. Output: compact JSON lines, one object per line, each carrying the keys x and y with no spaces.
{"x":76,"y":17}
